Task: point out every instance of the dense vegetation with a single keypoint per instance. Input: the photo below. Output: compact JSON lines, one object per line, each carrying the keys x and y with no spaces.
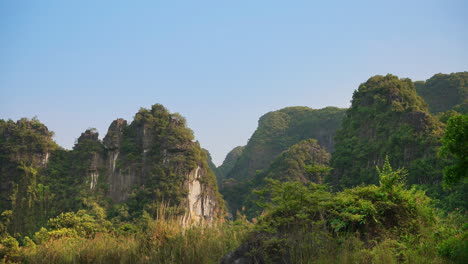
{"x":158,"y":146}
{"x":311,"y":186}
{"x":445,"y":92}
{"x":387,"y":117}
{"x":155,"y":153}
{"x":87,"y":236}
{"x":217,"y":171}
{"x":277,"y":131}
{"x":25,"y":146}
{"x":229,"y":162}
{"x":387,"y":223}
{"x":305,"y":162}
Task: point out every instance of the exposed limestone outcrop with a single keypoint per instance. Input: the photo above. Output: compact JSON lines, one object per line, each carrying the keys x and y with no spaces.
{"x":154,"y":155}
{"x":120,"y":181}
{"x":114,"y":136}
{"x":89,"y":144}
{"x":201,"y":203}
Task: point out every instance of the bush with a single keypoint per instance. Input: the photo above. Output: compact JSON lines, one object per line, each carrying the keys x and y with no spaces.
{"x":9,"y":248}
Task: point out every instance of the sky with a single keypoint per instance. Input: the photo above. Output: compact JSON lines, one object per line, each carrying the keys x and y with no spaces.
{"x":221,"y":64}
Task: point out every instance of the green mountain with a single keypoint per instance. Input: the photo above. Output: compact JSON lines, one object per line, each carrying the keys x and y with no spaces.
{"x":279,"y":130}
{"x":303,"y":162}
{"x":365,"y":224}
{"x":387,"y":117}
{"x":444,"y":92}
{"x":25,"y":150}
{"x":136,"y":168}
{"x":213,"y":167}
{"x":129,"y":197}
{"x":229,"y":162}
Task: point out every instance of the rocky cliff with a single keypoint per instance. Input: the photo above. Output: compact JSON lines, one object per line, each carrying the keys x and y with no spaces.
{"x":141,"y":166}
{"x":152,"y":160}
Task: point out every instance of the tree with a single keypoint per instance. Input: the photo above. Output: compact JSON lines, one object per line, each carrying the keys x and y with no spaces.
{"x":455,"y":145}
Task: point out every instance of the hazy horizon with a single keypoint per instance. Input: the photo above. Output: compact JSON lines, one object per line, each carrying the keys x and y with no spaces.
{"x":220,"y":65}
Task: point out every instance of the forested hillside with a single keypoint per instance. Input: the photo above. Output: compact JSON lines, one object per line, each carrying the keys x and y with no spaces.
{"x":304,"y":162}
{"x":387,"y":117}
{"x":384,"y":181}
{"x":229,"y":162}
{"x":135,"y":169}
{"x":277,"y":131}
{"x":387,"y":123}
{"x":444,"y":92}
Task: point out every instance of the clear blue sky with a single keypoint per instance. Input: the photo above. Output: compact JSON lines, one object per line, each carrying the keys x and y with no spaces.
{"x":221,"y":64}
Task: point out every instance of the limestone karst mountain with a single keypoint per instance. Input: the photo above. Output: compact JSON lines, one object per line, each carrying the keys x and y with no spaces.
{"x":142,"y":164}
{"x":277,"y":131}
{"x":229,"y":162}
{"x":387,"y":117}
{"x":304,"y":162}
{"x":444,"y":92}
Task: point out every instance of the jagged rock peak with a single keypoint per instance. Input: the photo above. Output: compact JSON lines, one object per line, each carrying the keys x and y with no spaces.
{"x":114,"y":136}
{"x":90,"y":134}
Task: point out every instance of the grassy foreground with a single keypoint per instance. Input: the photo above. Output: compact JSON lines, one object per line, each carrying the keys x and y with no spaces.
{"x":162,"y":241}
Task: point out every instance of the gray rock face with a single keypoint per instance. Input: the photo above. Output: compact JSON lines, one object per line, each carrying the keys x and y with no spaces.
{"x":114,"y":136}
{"x":120,"y":180}
{"x":200,"y":203}
{"x":127,"y":158}
{"x":89,"y":143}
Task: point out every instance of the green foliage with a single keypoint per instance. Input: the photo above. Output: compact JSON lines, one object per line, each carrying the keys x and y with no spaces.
{"x":367,"y":209}
{"x":390,"y":179}
{"x":162,"y":240}
{"x":455,"y":248}
{"x":365,"y":224}
{"x":165,"y":155}
{"x":445,"y":92}
{"x":9,"y":248}
{"x":229,"y":162}
{"x":25,"y":146}
{"x":455,"y":146}
{"x":82,"y":223}
{"x":46,"y":189}
{"x":305,"y":161}
{"x":156,"y":153}
{"x":279,"y":130}
{"x":213,"y":167}
{"x":387,"y":117}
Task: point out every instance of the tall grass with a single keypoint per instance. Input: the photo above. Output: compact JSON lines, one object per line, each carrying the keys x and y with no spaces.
{"x":164,"y":240}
